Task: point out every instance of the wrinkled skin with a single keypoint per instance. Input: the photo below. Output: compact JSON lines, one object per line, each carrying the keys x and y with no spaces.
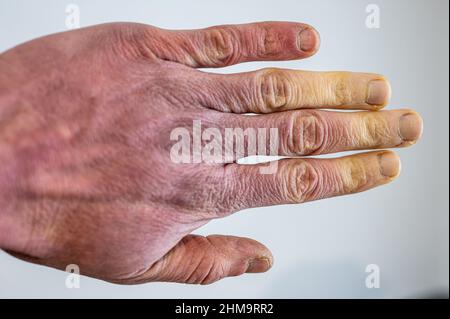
{"x":85,"y":123}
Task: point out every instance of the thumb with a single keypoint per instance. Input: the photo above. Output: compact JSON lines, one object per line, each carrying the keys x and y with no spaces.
{"x":204,"y":260}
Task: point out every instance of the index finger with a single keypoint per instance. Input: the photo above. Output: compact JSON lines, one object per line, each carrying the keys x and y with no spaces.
{"x":225,"y":45}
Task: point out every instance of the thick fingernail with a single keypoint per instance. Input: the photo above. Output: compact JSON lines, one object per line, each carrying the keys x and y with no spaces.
{"x":261,"y":264}
{"x":308,"y":40}
{"x":410,"y":127}
{"x":389,"y":164}
{"x":378,"y":92}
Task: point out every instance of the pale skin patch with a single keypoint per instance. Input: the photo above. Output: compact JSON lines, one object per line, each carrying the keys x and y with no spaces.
{"x":353,"y":174}
{"x":336,"y":89}
{"x":371,"y":130}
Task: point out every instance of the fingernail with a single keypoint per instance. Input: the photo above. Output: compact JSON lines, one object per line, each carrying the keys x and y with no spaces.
{"x":378,"y":92}
{"x":389,"y":164}
{"x":261,"y":264}
{"x":308,"y":40}
{"x":410,"y":127}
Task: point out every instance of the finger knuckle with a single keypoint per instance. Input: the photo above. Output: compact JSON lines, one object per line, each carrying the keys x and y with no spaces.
{"x":303,"y":182}
{"x":221,"y":46}
{"x":274,"y":90}
{"x":131,"y":40}
{"x":270,"y":40}
{"x":307,"y":133}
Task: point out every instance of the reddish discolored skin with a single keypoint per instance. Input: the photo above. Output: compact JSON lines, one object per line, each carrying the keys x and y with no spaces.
{"x":91,"y":180}
{"x":85,"y":123}
{"x":86,"y":177}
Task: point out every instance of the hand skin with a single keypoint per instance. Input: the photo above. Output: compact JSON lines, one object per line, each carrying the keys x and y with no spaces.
{"x":85,"y":120}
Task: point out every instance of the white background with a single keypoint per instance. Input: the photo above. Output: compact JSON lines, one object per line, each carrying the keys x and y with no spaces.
{"x":321,"y":249}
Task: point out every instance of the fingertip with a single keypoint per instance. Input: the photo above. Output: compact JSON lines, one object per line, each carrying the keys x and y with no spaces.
{"x":390,"y":164}
{"x":410,"y":127}
{"x":260,"y":257}
{"x":364,"y":171}
{"x":259,"y":265}
{"x":379,"y":93}
{"x":308,"y":40}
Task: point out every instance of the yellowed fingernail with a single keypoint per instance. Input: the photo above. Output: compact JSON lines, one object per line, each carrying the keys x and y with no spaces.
{"x":410,"y":127}
{"x":308,"y":40}
{"x":389,"y":164}
{"x":257,"y":265}
{"x":378,"y":92}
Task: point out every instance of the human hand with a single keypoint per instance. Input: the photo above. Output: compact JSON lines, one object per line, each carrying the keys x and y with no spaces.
{"x":86,"y":119}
